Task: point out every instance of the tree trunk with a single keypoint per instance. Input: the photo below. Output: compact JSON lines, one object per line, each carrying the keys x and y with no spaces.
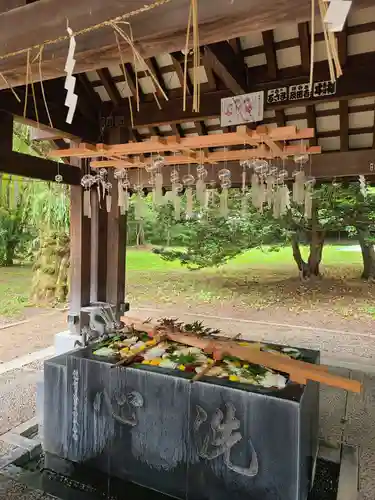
{"x":302,"y":265}
{"x":10,"y":248}
{"x":368,"y":255}
{"x":316,"y":251}
{"x":312,"y":266}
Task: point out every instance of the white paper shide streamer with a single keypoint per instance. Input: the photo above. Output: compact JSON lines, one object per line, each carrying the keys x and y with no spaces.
{"x":70,"y":81}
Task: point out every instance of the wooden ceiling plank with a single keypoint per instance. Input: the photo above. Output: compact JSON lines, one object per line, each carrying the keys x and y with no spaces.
{"x":154,"y":31}
{"x":269,"y":49}
{"x":358,"y":82}
{"x":344,"y":126}
{"x":109,"y":85}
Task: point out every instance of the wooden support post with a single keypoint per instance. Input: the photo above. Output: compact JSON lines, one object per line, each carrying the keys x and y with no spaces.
{"x":80,"y":251}
{"x":6,"y":135}
{"x":99,"y":225}
{"x":116,"y":251}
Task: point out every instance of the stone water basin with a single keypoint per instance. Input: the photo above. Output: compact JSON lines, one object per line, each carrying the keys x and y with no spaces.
{"x":211,"y":439}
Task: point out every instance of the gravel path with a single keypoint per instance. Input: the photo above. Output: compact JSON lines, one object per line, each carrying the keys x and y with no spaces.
{"x":32,"y":335}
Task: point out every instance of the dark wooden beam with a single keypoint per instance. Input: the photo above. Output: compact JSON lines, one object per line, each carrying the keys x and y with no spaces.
{"x":304,"y":43}
{"x":342,"y":45}
{"x":311,"y":122}
{"x":131,"y":79}
{"x":55,"y":95}
{"x":38,"y":168}
{"x":227,"y":66}
{"x":109,"y":85}
{"x":356,"y":81}
{"x":90,"y":94}
{"x":280,"y":117}
{"x":324,"y":166}
{"x":344,"y":126}
{"x":160,"y":30}
{"x":269,"y":49}
{"x":178,"y":68}
{"x":154,"y":67}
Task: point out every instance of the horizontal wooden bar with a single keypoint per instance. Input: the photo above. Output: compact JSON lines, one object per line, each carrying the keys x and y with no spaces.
{"x":38,"y":168}
{"x":190,"y":144}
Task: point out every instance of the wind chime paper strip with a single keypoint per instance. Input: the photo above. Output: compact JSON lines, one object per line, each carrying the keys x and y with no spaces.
{"x":71,"y":97}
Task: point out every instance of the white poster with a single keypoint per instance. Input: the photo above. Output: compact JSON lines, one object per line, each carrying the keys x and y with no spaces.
{"x":239,"y":109}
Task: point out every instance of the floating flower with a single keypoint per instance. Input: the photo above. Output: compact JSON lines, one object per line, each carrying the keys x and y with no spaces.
{"x":155,"y":362}
{"x":234,"y":378}
{"x":181,"y":367}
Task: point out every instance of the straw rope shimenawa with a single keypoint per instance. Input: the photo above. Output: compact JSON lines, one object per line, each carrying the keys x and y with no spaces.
{"x":109,"y":22}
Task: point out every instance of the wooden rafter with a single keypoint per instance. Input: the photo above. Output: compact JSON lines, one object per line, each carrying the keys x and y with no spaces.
{"x":311,"y":122}
{"x":154,"y":67}
{"x":178,"y":68}
{"x":344,"y":126}
{"x":225,"y":63}
{"x":109,"y":85}
{"x":280,"y":118}
{"x":342,"y":45}
{"x":269,"y":49}
{"x":304,"y":43}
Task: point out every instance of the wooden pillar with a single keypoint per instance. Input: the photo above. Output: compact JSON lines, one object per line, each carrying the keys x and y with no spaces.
{"x":80,"y":260}
{"x":6,"y":135}
{"x":99,"y":225}
{"x":116,"y":251}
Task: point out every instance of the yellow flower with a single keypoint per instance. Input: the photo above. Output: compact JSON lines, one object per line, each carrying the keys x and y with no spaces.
{"x":141,"y":348}
{"x":150,"y":342}
{"x":181,"y":367}
{"x":234,"y":378}
{"x":245,"y":366}
{"x":146,"y":362}
{"x":125,"y":349}
{"x":155,"y":362}
{"x":237,"y":364}
{"x":210,"y":361}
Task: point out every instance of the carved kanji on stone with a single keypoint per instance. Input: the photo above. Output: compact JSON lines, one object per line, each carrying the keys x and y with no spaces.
{"x":222,"y":436}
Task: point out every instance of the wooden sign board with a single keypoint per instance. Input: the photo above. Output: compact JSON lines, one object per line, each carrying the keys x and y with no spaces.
{"x":240,"y":109}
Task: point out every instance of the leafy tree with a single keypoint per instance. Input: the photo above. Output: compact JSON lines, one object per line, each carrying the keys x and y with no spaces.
{"x":354,"y":209}
{"x":311,"y":231}
{"x":214,"y":239}
{"x":13,"y":218}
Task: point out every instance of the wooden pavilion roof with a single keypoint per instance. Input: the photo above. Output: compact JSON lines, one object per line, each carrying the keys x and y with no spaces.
{"x":270,"y":51}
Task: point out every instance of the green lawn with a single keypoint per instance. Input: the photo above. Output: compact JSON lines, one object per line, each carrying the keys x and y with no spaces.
{"x":255,"y":279}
